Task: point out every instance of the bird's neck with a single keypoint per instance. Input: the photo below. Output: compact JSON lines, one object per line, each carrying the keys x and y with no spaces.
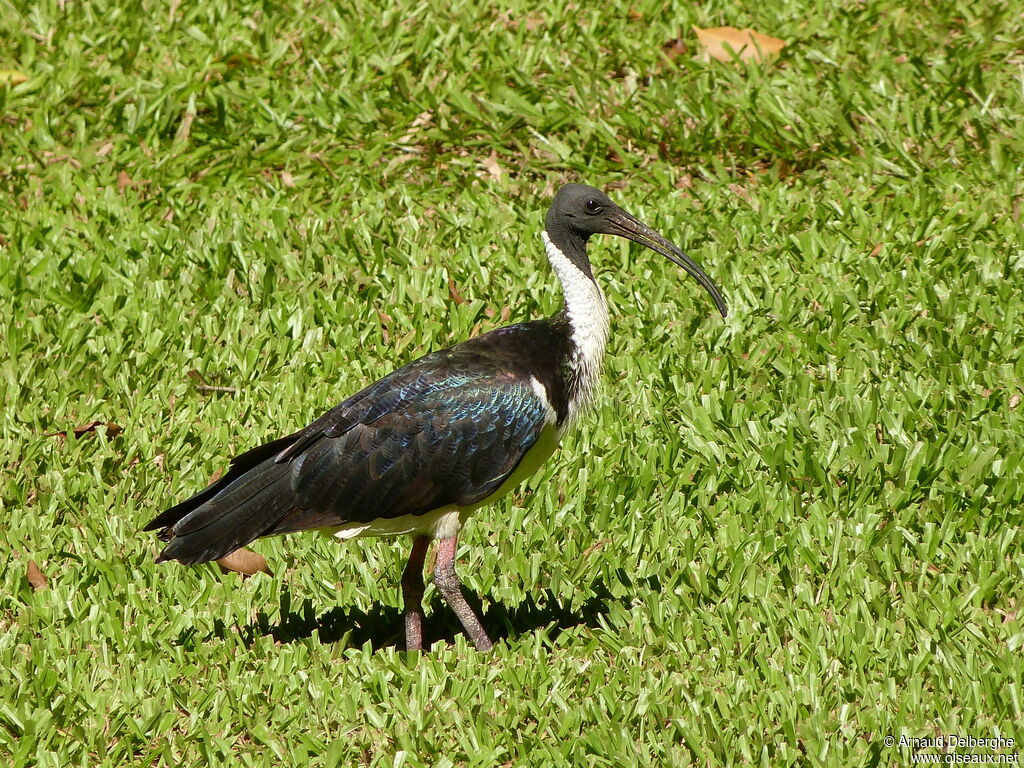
{"x":586,"y":315}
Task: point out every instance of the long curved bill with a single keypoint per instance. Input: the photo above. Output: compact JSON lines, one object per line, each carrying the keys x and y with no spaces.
{"x":633,"y":229}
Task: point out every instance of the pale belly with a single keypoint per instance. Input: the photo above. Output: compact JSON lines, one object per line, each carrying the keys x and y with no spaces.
{"x":446,"y":521}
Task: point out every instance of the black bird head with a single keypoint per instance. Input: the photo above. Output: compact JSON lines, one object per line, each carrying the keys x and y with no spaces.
{"x":579,"y":211}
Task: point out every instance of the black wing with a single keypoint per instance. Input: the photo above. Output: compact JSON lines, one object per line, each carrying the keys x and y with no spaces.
{"x":447,"y":429}
{"x":446,"y":446}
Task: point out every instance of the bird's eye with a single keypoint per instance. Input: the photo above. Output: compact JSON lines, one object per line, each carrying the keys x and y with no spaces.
{"x":593,"y":206}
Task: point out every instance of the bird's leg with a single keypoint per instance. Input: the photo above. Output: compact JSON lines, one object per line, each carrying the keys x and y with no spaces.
{"x":412,"y":594}
{"x":447,"y":581}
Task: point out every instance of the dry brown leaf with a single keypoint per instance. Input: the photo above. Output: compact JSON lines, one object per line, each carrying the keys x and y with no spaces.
{"x":1014,"y":400}
{"x":287,"y":179}
{"x":12,"y":76}
{"x":423,"y":119}
{"x":113,"y":430}
{"x":36,"y":577}
{"x":534,"y":21}
{"x":740,"y":191}
{"x":454,"y":292}
{"x":674,"y":48}
{"x":245,"y":562}
{"x":385,"y":321}
{"x":492,"y":167}
{"x":124,"y":181}
{"x":727,"y":43}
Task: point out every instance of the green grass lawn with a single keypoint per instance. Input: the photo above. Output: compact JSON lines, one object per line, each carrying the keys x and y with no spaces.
{"x":780,"y":537}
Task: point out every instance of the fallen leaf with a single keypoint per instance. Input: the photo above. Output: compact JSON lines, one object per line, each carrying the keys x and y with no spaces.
{"x":740,"y":191}
{"x":876,"y":250}
{"x":385,"y":320}
{"x":727,"y":43}
{"x":113,"y":430}
{"x":124,"y":181}
{"x":1014,"y":400}
{"x":534,"y":21}
{"x":423,"y":119}
{"x":454,"y":292}
{"x":674,"y":48}
{"x":492,"y":167}
{"x":236,"y":60}
{"x":12,"y":76}
{"x":287,"y":179}
{"x":245,"y":562}
{"x":36,"y":577}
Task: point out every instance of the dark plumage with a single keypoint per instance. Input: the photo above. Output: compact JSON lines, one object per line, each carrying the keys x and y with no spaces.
{"x":445,"y":429}
{"x":417,"y":452}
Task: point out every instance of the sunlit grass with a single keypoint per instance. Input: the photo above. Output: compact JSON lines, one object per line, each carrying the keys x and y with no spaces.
{"x":781,"y":536}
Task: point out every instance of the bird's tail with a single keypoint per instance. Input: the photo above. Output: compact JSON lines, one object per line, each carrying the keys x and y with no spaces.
{"x":248,"y":502}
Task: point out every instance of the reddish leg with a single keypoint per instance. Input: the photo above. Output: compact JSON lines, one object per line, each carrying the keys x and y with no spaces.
{"x":412,"y":594}
{"x":447,"y":581}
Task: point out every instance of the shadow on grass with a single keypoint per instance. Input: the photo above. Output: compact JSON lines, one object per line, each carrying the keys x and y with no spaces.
{"x":384,"y":626}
